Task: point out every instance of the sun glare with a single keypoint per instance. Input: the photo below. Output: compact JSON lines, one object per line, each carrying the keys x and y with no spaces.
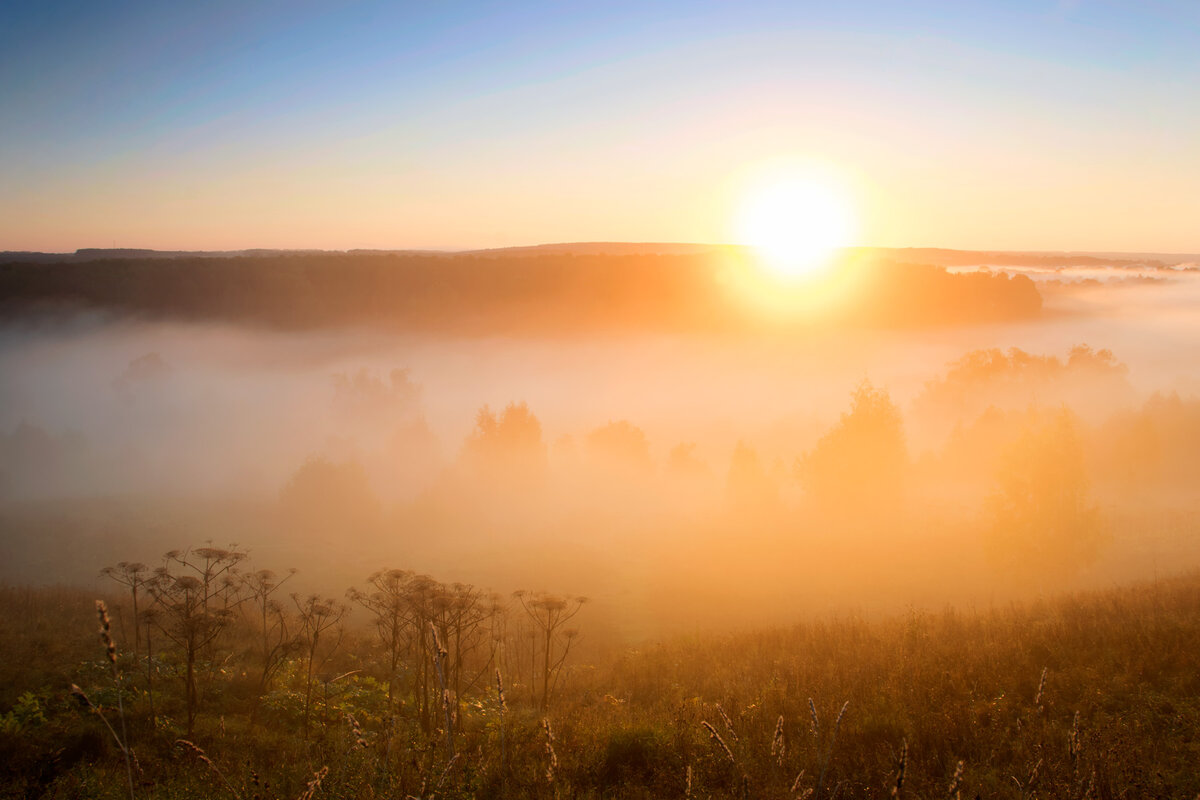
{"x":796,"y":221}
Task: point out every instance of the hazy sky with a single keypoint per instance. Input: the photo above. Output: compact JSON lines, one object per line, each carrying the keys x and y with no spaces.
{"x":1032,"y":125}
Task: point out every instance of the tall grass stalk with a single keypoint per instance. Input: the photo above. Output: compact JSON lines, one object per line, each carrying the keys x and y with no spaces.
{"x":110,"y":652}
{"x":203,"y":758}
{"x":503,"y":708}
{"x":832,"y":741}
{"x":439,"y":658}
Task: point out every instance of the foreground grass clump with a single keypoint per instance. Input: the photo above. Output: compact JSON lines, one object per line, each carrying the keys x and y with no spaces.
{"x":1088,"y":696}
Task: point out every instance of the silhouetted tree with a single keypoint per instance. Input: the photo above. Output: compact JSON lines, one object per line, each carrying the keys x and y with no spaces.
{"x":509,"y":445}
{"x":860,"y":463}
{"x":748,"y":487}
{"x":1015,"y":379}
{"x":363,"y":394}
{"x":682,"y":462}
{"x":324,"y":496}
{"x":620,"y":444}
{"x":1041,"y":521}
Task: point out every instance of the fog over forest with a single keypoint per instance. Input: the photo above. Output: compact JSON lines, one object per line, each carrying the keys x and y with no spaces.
{"x":639,"y":464}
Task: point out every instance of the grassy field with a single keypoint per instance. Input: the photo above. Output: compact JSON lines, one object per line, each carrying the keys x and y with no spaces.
{"x":1094,"y":695}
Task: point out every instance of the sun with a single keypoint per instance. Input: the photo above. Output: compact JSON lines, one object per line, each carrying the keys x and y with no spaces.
{"x":796,"y":220}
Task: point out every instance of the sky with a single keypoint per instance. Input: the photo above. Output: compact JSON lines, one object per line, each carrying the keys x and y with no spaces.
{"x":1028,"y":125}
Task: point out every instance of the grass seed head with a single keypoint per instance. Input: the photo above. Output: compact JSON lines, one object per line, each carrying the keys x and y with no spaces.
{"x":955,"y":790}
{"x":796,"y":783}
{"x":551,"y":756}
{"x":313,"y":785}
{"x":778,"y":745}
{"x":500,"y":692}
{"x":716,"y":737}
{"x":901,"y":768}
{"x":728,"y":722}
{"x":1037,"y":698}
{"x":110,"y":647}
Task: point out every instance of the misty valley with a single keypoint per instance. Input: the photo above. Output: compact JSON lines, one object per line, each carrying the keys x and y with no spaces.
{"x":600,"y":400}
{"x":598,"y":521}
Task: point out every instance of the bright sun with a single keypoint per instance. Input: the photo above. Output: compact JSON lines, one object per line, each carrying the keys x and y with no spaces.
{"x":796,"y":220}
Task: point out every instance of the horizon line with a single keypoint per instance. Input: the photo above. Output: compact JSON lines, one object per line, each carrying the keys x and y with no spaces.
{"x":582,"y":243}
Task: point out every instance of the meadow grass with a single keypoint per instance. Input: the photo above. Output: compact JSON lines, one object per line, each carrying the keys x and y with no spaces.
{"x":1093,"y":695}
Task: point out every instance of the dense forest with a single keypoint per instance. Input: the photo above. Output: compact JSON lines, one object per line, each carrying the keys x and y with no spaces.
{"x":505,"y":293}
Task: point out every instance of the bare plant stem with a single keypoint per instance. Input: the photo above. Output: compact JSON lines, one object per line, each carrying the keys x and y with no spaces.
{"x":75,"y":690}
{"x":439,"y":655}
{"x":829,"y":750}
{"x":110,"y":651}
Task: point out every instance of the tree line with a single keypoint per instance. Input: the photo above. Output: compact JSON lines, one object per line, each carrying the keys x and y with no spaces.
{"x":482,"y":294}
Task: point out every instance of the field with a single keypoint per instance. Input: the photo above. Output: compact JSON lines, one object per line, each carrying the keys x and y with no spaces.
{"x":1089,"y":695}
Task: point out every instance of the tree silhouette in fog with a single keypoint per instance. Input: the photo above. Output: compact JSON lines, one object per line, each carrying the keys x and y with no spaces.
{"x":1153,"y":448}
{"x":508,"y":444}
{"x":1015,"y":379}
{"x":748,"y":487}
{"x":682,"y":462}
{"x":324,"y":498}
{"x":620,"y":444}
{"x":365,"y":394}
{"x":859,"y":464}
{"x":1041,"y":520}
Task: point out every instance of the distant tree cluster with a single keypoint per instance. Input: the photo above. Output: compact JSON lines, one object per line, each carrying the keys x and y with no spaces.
{"x":508,"y":446}
{"x":1040,"y":511}
{"x":1028,"y":472}
{"x":921,"y":295}
{"x":861,"y":462}
{"x":1015,"y":379}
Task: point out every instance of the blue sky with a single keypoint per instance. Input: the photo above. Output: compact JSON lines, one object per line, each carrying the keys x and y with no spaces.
{"x":1026,"y":124}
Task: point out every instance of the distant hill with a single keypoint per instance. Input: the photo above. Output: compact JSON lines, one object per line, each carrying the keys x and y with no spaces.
{"x":574,"y":248}
{"x":551,"y":290}
{"x":607,"y":248}
{"x":918,"y":255}
{"x":129,"y":253}
{"x":1002,"y":258}
{"x":921,"y":255}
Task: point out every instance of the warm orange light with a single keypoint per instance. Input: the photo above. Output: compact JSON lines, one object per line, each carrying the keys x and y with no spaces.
{"x":796,"y":219}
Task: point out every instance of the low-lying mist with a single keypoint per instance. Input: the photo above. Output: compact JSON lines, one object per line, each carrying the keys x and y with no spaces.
{"x":680,"y":479}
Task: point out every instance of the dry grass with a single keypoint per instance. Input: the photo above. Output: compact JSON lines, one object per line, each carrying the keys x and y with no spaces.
{"x":1089,"y":696}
